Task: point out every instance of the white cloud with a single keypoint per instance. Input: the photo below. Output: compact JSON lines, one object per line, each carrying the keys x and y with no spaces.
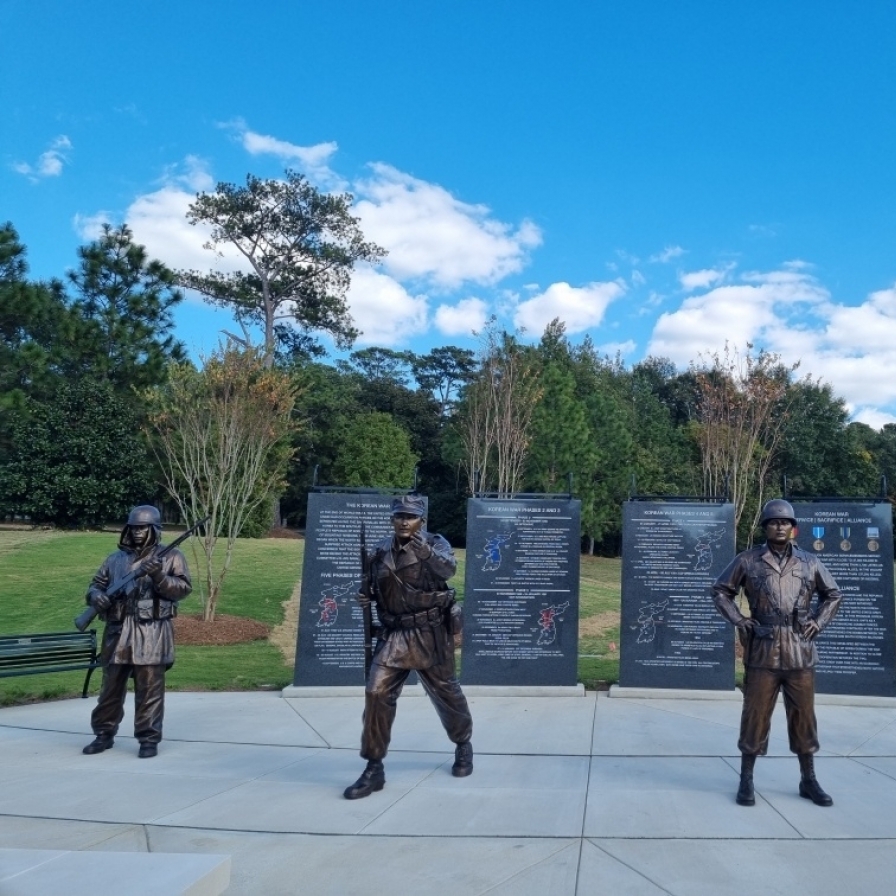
{"x":432,"y":236}
{"x":49,"y":163}
{"x":627,"y":257}
{"x":667,"y":255}
{"x":702,"y":279}
{"x":638,"y":279}
{"x":873,"y":417}
{"x":312,"y":156}
{"x":313,"y":161}
{"x":462,"y":319}
{"x":763,"y":230}
{"x":868,"y":328}
{"x":651,"y":303}
{"x":383,"y":310}
{"x":579,"y":307}
{"x":756,"y":310}
{"x":850,"y":347}
{"x":159,"y":221}
{"x":193,"y":174}
{"x":861,"y":380}
{"x":788,"y":279}
{"x":612,"y":349}
{"x":90,"y":227}
{"x":789,"y":312}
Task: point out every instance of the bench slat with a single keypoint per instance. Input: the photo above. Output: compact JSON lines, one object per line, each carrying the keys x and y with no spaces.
{"x":49,"y":652}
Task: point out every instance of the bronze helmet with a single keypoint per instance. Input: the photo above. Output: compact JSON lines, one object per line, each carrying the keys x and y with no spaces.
{"x":777,"y":509}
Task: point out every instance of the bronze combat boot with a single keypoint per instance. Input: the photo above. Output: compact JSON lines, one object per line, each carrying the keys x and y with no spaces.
{"x":745,"y":795}
{"x":373,"y":778}
{"x":810,"y":789}
{"x":463,"y":760}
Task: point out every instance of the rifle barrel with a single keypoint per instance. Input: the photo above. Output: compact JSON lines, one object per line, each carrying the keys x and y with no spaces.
{"x":84,"y":619}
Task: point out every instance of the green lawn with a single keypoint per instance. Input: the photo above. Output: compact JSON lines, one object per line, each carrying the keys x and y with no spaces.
{"x":44,"y":575}
{"x":599,"y":599}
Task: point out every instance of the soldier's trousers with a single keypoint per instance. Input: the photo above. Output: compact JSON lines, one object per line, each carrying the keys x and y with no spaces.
{"x":384,"y":684}
{"x":149,"y":702}
{"x":761,"y":688}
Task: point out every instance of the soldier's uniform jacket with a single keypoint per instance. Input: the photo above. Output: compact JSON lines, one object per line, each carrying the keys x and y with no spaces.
{"x":139,"y":627}
{"x":780,"y":602}
{"x":412,"y":599}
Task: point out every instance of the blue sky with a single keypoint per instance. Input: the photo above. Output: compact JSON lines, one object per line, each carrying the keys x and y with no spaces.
{"x":663,"y":176}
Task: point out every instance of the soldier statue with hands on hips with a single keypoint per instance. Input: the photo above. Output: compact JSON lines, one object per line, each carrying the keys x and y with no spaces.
{"x":138,"y":639}
{"x":779,"y":580}
{"x":408,"y":576}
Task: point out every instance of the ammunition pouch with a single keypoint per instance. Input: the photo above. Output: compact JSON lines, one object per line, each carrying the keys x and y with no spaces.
{"x":421,"y":619}
{"x":439,"y":617}
{"x":151,"y":610}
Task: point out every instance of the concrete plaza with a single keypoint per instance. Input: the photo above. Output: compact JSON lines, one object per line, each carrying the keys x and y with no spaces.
{"x":589,"y":794}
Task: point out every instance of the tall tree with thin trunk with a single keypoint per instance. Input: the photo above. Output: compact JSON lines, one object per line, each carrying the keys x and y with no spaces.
{"x":444,"y":372}
{"x":127,"y":299}
{"x":222,"y":436}
{"x":495,"y":425}
{"x":742,"y":414}
{"x":298,"y":247}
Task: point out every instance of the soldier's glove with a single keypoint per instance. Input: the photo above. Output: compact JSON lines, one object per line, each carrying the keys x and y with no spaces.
{"x":100,"y":602}
{"x":153,"y":569}
{"x":746,"y":624}
{"x":363,"y":600}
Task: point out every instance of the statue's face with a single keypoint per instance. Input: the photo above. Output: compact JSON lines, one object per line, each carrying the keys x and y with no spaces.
{"x":778,"y":532}
{"x":406,"y":525}
{"x":139,"y":536}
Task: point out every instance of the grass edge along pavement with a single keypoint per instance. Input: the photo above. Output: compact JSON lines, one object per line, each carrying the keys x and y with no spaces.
{"x":44,"y":575}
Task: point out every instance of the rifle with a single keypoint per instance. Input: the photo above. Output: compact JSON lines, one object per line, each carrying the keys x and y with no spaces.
{"x":119,"y":585}
{"x":366,"y":609}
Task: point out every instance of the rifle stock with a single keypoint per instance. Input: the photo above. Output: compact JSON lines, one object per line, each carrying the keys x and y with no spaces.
{"x":118,"y":586}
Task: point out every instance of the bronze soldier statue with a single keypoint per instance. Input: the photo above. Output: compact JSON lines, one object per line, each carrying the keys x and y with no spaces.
{"x":408,"y":577}
{"x":139,"y":637}
{"x":779,"y":580}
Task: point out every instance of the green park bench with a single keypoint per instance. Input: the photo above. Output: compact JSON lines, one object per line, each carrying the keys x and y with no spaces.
{"x":52,"y":652}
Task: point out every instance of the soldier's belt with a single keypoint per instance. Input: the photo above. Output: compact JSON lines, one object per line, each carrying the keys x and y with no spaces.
{"x":782,"y":619}
{"x":412,"y":620}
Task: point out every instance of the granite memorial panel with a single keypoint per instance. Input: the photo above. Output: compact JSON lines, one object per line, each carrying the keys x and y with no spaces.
{"x":521,"y":605}
{"x":671,"y":635}
{"x":854,"y":540}
{"x":330,"y":642}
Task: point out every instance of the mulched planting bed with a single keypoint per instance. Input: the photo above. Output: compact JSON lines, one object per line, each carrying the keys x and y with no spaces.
{"x":193,"y":631}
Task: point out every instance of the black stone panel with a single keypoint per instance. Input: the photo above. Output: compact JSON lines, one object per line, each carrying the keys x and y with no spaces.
{"x":857,"y":652}
{"x":521,"y":605}
{"x":330,"y":643}
{"x":671,"y":635}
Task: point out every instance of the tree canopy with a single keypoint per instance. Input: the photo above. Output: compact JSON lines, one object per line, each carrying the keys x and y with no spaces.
{"x":79,"y":357}
{"x":127,"y":300}
{"x":299,"y":247}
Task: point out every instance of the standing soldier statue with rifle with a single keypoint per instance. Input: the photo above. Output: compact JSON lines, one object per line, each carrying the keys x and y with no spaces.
{"x":406,"y":578}
{"x":136,"y":591}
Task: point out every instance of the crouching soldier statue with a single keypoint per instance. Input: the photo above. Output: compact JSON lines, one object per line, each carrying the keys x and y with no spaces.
{"x":407,"y":576}
{"x":139,"y":637}
{"x":779,"y":580}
